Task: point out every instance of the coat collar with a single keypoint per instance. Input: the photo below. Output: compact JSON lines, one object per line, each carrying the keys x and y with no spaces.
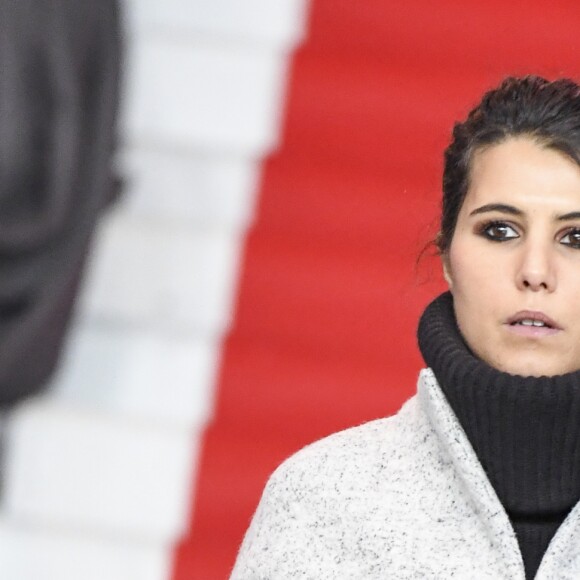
{"x":456,"y":445}
{"x":562,"y":558}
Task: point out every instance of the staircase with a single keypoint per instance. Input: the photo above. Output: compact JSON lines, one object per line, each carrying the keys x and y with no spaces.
{"x":330,"y":290}
{"x":237,"y":309}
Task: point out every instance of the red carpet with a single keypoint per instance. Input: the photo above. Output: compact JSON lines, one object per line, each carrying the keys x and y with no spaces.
{"x":329,"y":294}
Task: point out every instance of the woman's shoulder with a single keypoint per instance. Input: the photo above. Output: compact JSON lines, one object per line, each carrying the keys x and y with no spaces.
{"x":359,"y":453}
{"x":334,"y":505}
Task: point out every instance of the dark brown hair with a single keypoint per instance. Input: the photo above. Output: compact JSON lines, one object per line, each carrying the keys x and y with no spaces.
{"x":546,"y":111}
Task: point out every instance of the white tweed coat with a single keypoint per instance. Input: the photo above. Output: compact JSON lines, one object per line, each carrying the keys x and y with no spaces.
{"x":397,"y":498}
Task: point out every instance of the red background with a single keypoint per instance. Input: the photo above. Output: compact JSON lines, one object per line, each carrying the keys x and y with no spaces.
{"x":330,"y":290}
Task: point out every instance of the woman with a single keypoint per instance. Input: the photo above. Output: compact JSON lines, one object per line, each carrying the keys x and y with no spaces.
{"x":59,"y":93}
{"x":478,"y":475}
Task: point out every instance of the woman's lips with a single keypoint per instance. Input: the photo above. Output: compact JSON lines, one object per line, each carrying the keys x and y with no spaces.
{"x":531,"y":323}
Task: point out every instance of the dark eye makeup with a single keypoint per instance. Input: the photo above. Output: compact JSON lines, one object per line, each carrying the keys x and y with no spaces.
{"x":571,"y":238}
{"x":498,"y":231}
{"x":502,"y":231}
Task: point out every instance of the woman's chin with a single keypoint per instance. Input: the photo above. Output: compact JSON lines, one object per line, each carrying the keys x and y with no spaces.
{"x":535,"y":365}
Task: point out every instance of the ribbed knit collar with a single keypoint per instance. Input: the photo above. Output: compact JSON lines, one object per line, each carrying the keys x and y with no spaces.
{"x":525,"y":430}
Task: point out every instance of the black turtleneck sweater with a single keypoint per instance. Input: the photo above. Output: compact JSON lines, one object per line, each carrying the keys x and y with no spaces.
{"x":524,"y":430}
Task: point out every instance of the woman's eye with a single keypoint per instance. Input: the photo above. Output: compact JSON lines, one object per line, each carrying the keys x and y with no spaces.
{"x":572,"y":239}
{"x":499,"y":232}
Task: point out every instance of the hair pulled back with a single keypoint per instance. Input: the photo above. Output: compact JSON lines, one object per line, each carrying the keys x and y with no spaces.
{"x":531,"y":106}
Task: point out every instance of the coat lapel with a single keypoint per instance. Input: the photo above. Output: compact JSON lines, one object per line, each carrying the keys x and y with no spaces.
{"x":456,"y":445}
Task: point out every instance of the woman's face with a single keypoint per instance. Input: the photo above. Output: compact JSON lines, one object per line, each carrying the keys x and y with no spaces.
{"x":514,"y":261}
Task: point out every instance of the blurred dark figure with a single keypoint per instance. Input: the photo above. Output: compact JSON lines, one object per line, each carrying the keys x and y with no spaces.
{"x":59,"y":72}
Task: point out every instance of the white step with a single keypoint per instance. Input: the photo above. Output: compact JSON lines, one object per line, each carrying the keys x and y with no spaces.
{"x":162,"y":274}
{"x":201,"y":190}
{"x":28,"y":552}
{"x":85,"y":470}
{"x":272,"y":23}
{"x":140,"y":374}
{"x":202,"y":96}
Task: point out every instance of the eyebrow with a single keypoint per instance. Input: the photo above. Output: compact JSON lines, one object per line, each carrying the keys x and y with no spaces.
{"x":499,"y":207}
{"x":510,"y":209}
{"x":573,"y":215}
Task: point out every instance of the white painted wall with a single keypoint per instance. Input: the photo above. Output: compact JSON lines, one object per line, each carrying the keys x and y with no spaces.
{"x":97,"y":472}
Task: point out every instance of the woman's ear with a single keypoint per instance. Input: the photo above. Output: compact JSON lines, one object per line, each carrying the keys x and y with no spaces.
{"x":447,"y":271}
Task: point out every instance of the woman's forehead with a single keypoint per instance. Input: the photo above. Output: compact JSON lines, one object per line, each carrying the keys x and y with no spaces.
{"x":525,"y":174}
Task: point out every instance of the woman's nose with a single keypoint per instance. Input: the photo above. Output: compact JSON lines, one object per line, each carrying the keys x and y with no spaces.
{"x":537,"y":271}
